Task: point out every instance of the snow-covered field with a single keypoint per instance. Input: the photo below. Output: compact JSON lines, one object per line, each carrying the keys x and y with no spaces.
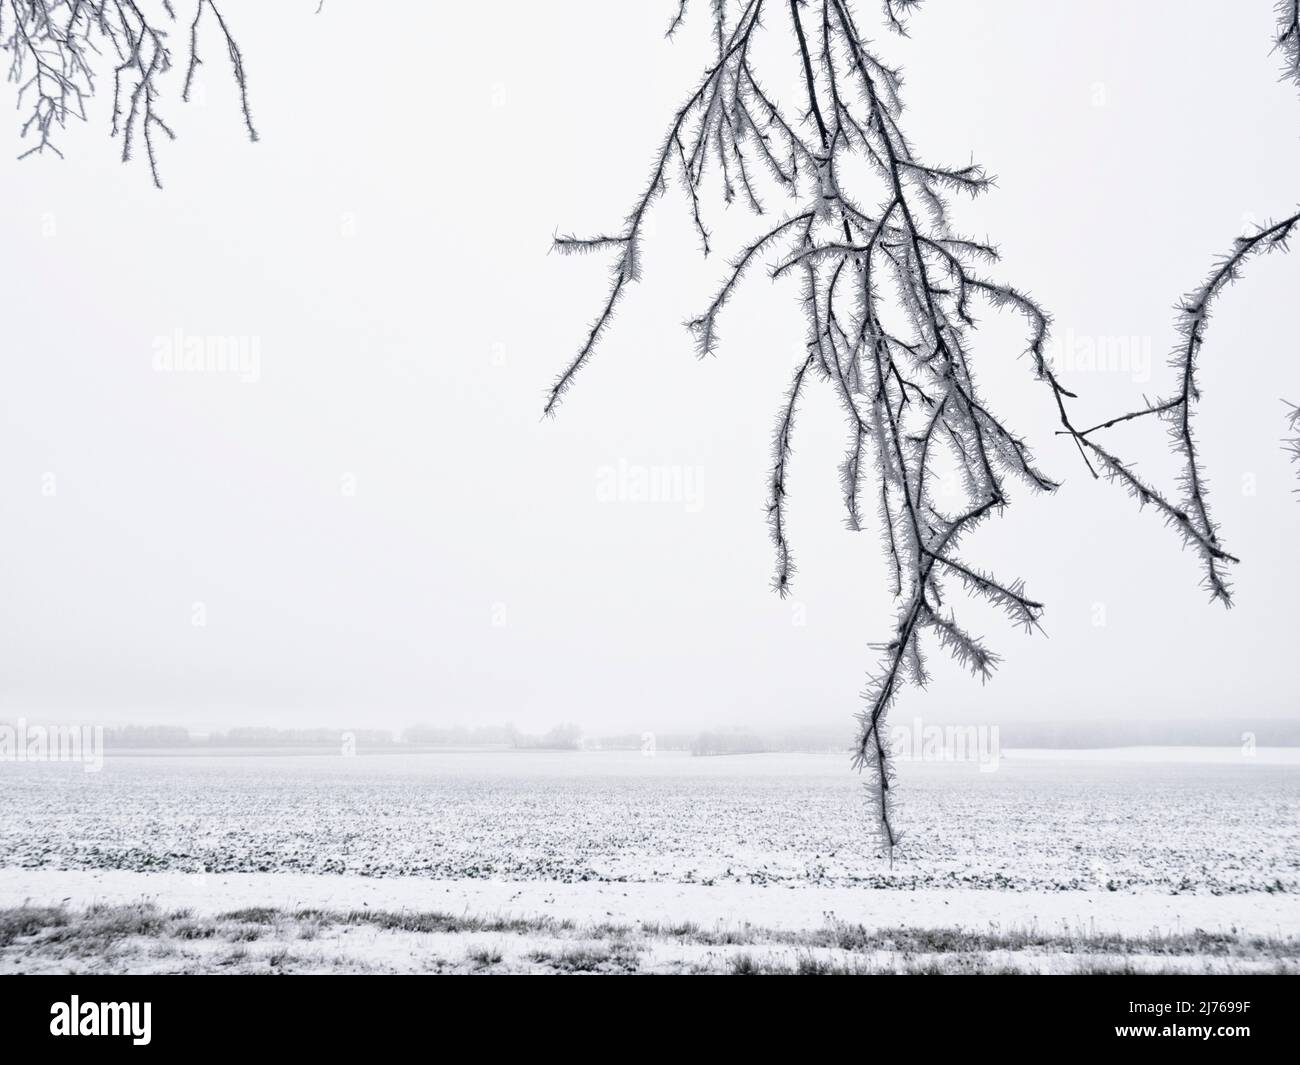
{"x":1141,"y":843}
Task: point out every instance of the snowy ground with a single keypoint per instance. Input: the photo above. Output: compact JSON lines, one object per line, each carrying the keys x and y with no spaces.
{"x":142,"y":936}
{"x":595,"y":858}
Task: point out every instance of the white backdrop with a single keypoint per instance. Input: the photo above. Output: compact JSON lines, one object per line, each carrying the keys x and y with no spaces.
{"x":380,"y":529}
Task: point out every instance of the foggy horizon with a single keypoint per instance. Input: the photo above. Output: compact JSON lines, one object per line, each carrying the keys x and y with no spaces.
{"x":1151,"y":730}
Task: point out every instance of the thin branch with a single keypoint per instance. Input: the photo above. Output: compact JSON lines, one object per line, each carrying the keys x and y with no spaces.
{"x":57,"y":48}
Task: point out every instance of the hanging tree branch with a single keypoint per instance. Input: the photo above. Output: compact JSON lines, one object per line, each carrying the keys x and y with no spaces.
{"x":1189,"y":512}
{"x":1293,"y":445}
{"x":889,"y":293}
{"x":57,"y":49}
{"x":1288,"y":37}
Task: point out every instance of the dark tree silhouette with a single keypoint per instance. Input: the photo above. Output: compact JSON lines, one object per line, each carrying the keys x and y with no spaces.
{"x":59,"y":48}
{"x":889,"y":292}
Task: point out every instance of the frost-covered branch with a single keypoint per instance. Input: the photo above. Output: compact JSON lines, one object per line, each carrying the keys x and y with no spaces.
{"x":1288,"y":37}
{"x":889,"y":293}
{"x":1293,"y":444}
{"x":1188,"y":511}
{"x":896,"y":12}
{"x":57,"y":49}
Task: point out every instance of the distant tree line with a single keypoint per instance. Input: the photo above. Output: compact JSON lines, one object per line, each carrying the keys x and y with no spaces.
{"x":153,"y":736}
{"x":561,"y":737}
{"x":568,"y":737}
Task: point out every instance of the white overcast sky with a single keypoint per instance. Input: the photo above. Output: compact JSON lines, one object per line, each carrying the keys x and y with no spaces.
{"x":386,"y":245}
